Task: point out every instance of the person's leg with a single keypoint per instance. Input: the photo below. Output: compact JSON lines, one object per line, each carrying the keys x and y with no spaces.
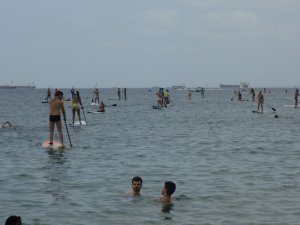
{"x":79,"y":117}
{"x":59,"y":128}
{"x":51,"y":125}
{"x":73,"y":116}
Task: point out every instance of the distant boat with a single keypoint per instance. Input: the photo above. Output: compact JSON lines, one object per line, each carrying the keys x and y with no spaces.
{"x":8,"y":85}
{"x":179,"y":87}
{"x":243,"y":86}
{"x":233,"y":86}
{"x":197,"y":89}
{"x":30,"y":86}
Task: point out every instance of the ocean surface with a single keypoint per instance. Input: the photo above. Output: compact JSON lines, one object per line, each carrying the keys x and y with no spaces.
{"x":231,"y":166}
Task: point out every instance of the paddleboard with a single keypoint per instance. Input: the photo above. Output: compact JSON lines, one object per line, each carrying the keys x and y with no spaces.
{"x":258,"y":112}
{"x":94,"y":104}
{"x":77,"y":124}
{"x":45,"y":102}
{"x":94,"y":112}
{"x":156,"y":107}
{"x":290,"y":106}
{"x":55,"y":146}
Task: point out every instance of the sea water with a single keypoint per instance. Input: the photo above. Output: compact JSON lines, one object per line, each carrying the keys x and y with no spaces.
{"x":231,"y":166}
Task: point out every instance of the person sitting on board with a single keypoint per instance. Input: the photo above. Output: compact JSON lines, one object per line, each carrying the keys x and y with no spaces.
{"x":168,"y":189}
{"x":136,"y":184}
{"x":296,"y":97}
{"x":56,"y":108}
{"x":6,"y":124}
{"x":260,"y":99}
{"x":13,"y":220}
{"x":101,"y":107}
{"x":76,"y":105}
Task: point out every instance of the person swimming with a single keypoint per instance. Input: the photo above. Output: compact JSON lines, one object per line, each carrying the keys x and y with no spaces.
{"x":6,"y":124}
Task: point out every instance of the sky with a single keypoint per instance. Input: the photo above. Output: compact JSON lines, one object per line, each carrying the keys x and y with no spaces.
{"x":146,"y":43}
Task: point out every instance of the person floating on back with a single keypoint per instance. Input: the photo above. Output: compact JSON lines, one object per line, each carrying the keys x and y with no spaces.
{"x":260,"y":99}
{"x":168,"y":189}
{"x":56,"y":108}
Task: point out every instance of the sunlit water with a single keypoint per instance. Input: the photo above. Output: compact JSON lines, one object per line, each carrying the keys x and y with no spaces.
{"x":231,"y":166}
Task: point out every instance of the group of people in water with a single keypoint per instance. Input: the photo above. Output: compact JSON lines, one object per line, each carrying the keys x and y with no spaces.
{"x":168,"y":190}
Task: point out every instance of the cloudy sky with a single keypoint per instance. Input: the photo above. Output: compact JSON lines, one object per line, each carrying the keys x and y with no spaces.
{"x":145,"y":43}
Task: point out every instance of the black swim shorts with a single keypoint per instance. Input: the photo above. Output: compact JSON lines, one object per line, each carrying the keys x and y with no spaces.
{"x":54,"y":118}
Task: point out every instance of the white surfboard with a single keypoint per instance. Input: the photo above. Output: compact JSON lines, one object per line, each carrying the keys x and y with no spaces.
{"x":77,"y":124}
{"x":55,"y":146}
{"x":95,"y":112}
{"x":290,"y":106}
{"x":94,"y":104}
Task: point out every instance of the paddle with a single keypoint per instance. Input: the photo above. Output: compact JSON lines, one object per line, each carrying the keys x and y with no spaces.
{"x":246,"y":98}
{"x":111,"y":105}
{"x":68,"y":133}
{"x":233,"y":96}
{"x":271,"y":107}
{"x":83,"y":114}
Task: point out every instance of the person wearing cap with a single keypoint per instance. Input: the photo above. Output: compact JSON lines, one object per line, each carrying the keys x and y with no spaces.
{"x":13,"y":220}
{"x":56,"y":108}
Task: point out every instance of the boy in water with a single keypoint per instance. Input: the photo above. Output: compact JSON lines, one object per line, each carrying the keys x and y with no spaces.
{"x":56,"y":108}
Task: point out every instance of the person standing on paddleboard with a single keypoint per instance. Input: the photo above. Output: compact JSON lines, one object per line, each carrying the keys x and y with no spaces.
{"x":97,"y":95}
{"x":76,"y":105}
{"x":296,"y":97}
{"x":260,"y":99}
{"x":253,"y":94}
{"x":56,"y":108}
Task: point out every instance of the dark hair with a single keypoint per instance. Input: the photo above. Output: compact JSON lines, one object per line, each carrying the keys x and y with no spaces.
{"x":170,"y":187}
{"x":57,"y":93}
{"x":13,"y":220}
{"x":137,"y":179}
